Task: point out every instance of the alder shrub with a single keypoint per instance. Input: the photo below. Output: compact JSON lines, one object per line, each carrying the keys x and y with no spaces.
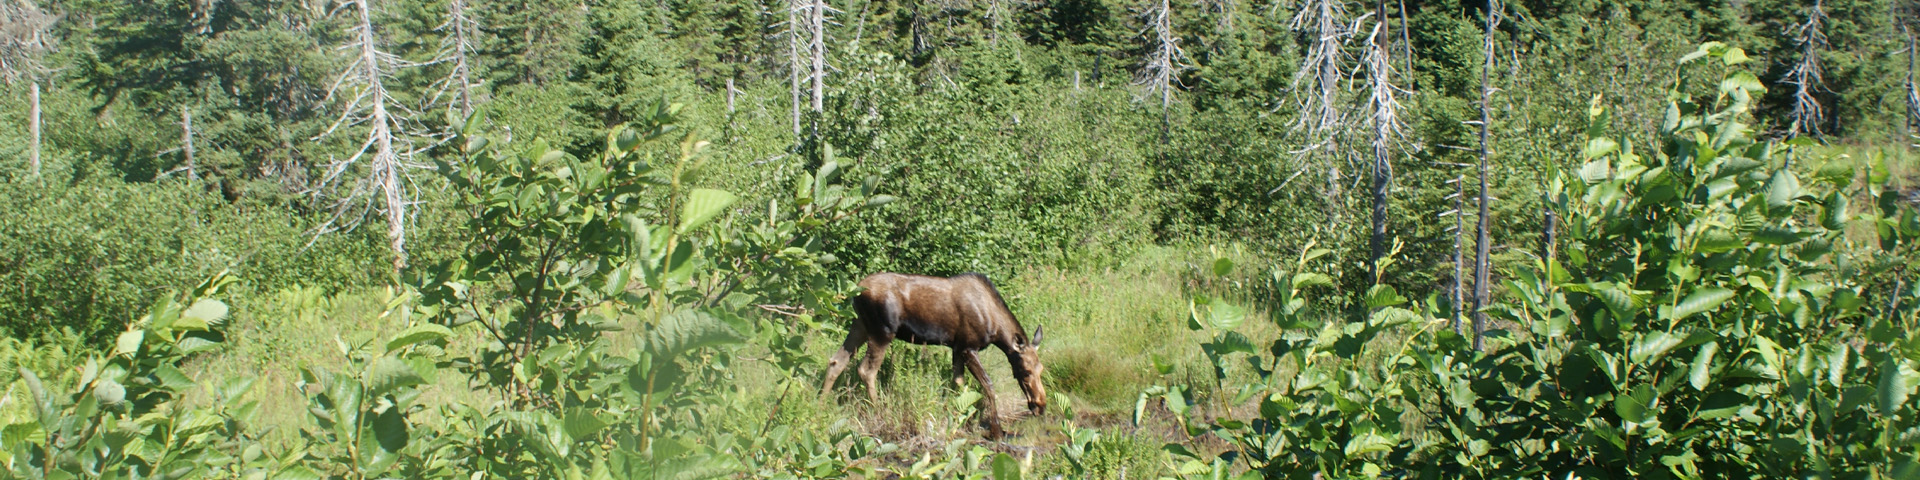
{"x":1704,"y":318}
{"x":611,"y":295}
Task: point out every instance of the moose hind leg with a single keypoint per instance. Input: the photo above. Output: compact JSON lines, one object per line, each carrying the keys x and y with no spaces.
{"x":989,"y":408}
{"x":959,"y":366}
{"x":856,"y":336}
{"x":870,"y":371}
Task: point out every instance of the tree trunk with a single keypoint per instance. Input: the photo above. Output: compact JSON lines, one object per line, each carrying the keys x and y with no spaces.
{"x":795,"y":10}
{"x":1459,"y":259}
{"x":33,"y":128}
{"x":1482,"y":240}
{"x":1806,"y":74}
{"x":462,"y":72}
{"x":385,"y":168}
{"x":1913,"y":90}
{"x":186,"y":141}
{"x":817,"y":50}
{"x":1384,"y":118}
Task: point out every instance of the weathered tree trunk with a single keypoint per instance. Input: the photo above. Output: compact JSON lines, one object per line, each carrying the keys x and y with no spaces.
{"x":1459,"y":259}
{"x":795,"y":11}
{"x":186,"y":142}
{"x":462,"y":71}
{"x":33,"y":129}
{"x":1913,"y":90}
{"x":1319,"y":80}
{"x":1483,"y":240}
{"x":1385,"y":118}
{"x":1806,"y":74}
{"x":386,"y":162}
{"x":817,"y":51}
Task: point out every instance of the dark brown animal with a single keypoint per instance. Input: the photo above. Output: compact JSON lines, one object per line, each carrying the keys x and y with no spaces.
{"x":963,"y":312}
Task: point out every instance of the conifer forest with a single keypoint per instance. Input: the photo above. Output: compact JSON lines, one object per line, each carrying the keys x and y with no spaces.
{"x":1289,"y":239}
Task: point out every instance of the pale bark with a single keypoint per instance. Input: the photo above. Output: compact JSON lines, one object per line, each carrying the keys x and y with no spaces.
{"x":1806,"y":76}
{"x":385,"y":145}
{"x":1165,"y":60}
{"x":795,"y":12}
{"x":186,"y":142}
{"x":25,"y":35}
{"x":1316,"y":87}
{"x":33,"y":130}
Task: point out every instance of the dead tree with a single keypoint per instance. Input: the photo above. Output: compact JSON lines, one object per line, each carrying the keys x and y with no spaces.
{"x":1805,"y":76}
{"x":457,"y":48}
{"x":1165,"y":60}
{"x":796,"y":20}
{"x":1317,"y":86}
{"x":1459,"y":260}
{"x":186,"y":142}
{"x":381,"y":185}
{"x":1383,"y":110}
{"x":33,"y":130}
{"x":1913,"y":89}
{"x":1483,"y":240}
{"x":25,"y":36}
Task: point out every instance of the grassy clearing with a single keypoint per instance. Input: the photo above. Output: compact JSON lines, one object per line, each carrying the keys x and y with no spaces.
{"x":1104,"y":325}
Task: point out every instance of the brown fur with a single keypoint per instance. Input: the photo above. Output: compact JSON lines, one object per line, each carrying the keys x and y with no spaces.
{"x":963,"y":312}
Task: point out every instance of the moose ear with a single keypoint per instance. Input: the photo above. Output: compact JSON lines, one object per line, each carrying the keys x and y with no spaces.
{"x":1037,"y":333}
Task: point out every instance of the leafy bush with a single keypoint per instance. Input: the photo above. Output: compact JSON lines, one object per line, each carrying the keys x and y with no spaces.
{"x":1700,"y":326}
{"x":85,"y":257}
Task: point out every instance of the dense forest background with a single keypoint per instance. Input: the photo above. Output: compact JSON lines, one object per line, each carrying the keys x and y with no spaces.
{"x":314,"y":148}
{"x":1020,"y":132}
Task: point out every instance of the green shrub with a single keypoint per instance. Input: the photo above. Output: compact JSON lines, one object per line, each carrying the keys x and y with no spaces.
{"x":85,"y":257}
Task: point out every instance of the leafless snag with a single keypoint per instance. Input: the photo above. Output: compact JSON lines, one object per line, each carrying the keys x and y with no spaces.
{"x":457,"y":48}
{"x":1482,"y":241}
{"x":1383,"y":110}
{"x":1316,"y":87}
{"x":1165,"y":60}
{"x":26,"y":35}
{"x":1805,"y":75}
{"x":384,"y":185}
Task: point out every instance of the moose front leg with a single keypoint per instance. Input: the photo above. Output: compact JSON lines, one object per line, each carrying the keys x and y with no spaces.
{"x":989,"y":409}
{"x":959,"y":366}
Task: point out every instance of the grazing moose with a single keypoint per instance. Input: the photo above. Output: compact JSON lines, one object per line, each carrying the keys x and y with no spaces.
{"x":963,"y":312}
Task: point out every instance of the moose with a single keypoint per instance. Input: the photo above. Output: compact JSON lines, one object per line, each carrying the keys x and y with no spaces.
{"x":963,"y":312}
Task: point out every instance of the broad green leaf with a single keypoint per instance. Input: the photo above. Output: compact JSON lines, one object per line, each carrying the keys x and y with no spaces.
{"x":581,"y":424}
{"x":1782,"y":189}
{"x":296,"y":472}
{"x":129,"y":342}
{"x":966,"y":399}
{"x":1304,"y":280}
{"x":1701,"y":374}
{"x":1232,"y":342}
{"x":19,"y":433}
{"x":390,"y":430}
{"x":639,"y":237}
{"x":1742,"y":81}
{"x":1716,"y":240}
{"x":1383,"y":296}
{"x":208,"y":310}
{"x":1598,"y":147}
{"x":109,"y":392}
{"x":1701,"y":300}
{"x":1895,"y":382}
{"x":1596,"y":171}
{"x":389,"y":374}
{"x":425,"y":332}
{"x":1225,"y":316}
{"x":1835,"y":215}
{"x":173,"y":379}
{"x":1651,"y":346}
{"x":685,"y":330}
{"x":703,"y":204}
{"x":1222,"y":266}
{"x":1004,"y":468}
{"x":878,"y":200}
